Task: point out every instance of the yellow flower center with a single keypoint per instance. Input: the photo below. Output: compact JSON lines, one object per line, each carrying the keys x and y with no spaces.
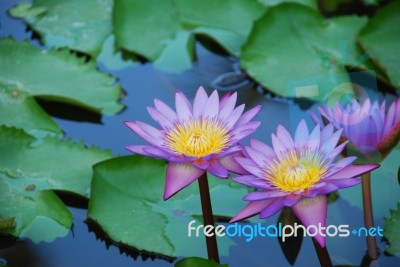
{"x":198,"y":138}
{"x":297,"y":171}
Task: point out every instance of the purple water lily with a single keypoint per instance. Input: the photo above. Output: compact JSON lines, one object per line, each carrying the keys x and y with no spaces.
{"x":195,"y":139}
{"x":368,"y":127}
{"x":297,"y":173}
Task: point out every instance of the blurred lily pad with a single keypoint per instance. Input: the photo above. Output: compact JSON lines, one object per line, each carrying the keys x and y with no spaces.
{"x":391,"y":231}
{"x":126,"y":201}
{"x":78,"y":25}
{"x":295,"y":52}
{"x":381,"y":39}
{"x":198,"y":262}
{"x":57,"y":75}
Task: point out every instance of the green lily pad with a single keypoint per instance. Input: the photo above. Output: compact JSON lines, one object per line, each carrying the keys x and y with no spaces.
{"x":78,"y":25}
{"x":164,"y":30}
{"x":391,"y":231}
{"x":381,"y":39}
{"x":56,"y":75}
{"x":310,"y":3}
{"x":126,"y":201}
{"x":54,"y":163}
{"x":384,"y":187}
{"x":38,"y":214}
{"x":198,"y":262}
{"x":295,"y":52}
{"x":20,"y":111}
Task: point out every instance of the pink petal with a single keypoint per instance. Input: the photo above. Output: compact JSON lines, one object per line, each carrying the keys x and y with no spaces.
{"x":231,"y":165}
{"x":147,"y":132}
{"x":228,"y":107}
{"x":163,"y":121}
{"x":156,"y":152}
{"x":165,"y":110}
{"x":199,"y":102}
{"x":272,"y":208}
{"x":138,"y":149}
{"x":217,"y":169}
{"x":183,"y":108}
{"x":260,"y":195}
{"x":234,"y":116}
{"x":353,"y":171}
{"x":251,"y":209}
{"x":201,"y":163}
{"x":211,"y":108}
{"x":248,"y":115}
{"x":312,"y":211}
{"x":178,"y":177}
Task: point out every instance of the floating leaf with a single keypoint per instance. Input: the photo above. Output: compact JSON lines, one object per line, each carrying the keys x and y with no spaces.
{"x":381,"y":39}
{"x":163,"y":30}
{"x":310,"y":3}
{"x":78,"y":25}
{"x":56,"y":164}
{"x":198,"y":262}
{"x":391,"y":231}
{"x":126,"y":201}
{"x":57,"y":75}
{"x":7,"y":224}
{"x":38,"y":214}
{"x":18,"y":110}
{"x":295,"y":52}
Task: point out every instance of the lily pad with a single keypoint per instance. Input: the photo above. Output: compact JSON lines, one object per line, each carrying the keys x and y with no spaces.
{"x":295,"y":52}
{"x":163,"y":29}
{"x":198,"y":262}
{"x":391,"y":231}
{"x":38,"y":214}
{"x":20,"y":111}
{"x":53,"y":163}
{"x":78,"y":25}
{"x":310,"y":3}
{"x":126,"y":201}
{"x":381,"y":39}
{"x":56,"y":75}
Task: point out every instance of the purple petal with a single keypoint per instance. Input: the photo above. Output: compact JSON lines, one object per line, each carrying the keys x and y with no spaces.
{"x":165,"y":110}
{"x":249,"y":166}
{"x":346,"y":182}
{"x":163,"y":121}
{"x":178,"y":177}
{"x":258,"y":157}
{"x":291,"y":200}
{"x":353,"y":171}
{"x":312,"y":211}
{"x":234,"y":116}
{"x":211,"y":108}
{"x":260,"y":195}
{"x":314,"y":138}
{"x":243,"y":131}
{"x":231,"y":165}
{"x":248,"y":115}
{"x":252,"y":181}
{"x":183,"y":108}
{"x":138,"y":149}
{"x":263,"y":148}
{"x":201,"y":163}
{"x":279,"y":147}
{"x":285,"y":137}
{"x":147,"y":132}
{"x":251,"y":209}
{"x":231,"y":150}
{"x":316,"y":118}
{"x":301,"y":136}
{"x":226,"y":110}
{"x":217,"y":169}
{"x":224,"y":99}
{"x":199,"y":102}
{"x":272,"y":208}
{"x":156,"y":152}
{"x":331,"y":143}
{"x":390,"y":118}
{"x":326,"y":132}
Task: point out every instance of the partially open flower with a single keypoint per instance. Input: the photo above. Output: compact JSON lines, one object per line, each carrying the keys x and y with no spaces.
{"x":297,"y":173}
{"x":370,"y":128}
{"x":195,"y":139}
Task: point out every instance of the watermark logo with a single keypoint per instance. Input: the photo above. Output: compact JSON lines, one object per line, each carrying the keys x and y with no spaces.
{"x":251,"y":231}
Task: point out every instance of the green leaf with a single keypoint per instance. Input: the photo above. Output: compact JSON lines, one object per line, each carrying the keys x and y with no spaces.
{"x":384,"y":186}
{"x":78,"y":25}
{"x":391,"y":231}
{"x":381,"y":39}
{"x":295,"y":52}
{"x":126,"y":201}
{"x":18,"y":110}
{"x":310,"y":3}
{"x":54,"y":163}
{"x":7,"y":224}
{"x":163,"y":31}
{"x":38,"y":214}
{"x":56,"y":75}
{"x":198,"y":262}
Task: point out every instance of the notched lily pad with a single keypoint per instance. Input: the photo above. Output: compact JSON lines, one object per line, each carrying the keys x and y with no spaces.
{"x":391,"y":231}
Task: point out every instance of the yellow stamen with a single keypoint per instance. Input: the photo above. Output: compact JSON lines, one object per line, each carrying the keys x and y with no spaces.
{"x":198,"y":138}
{"x":297,"y":171}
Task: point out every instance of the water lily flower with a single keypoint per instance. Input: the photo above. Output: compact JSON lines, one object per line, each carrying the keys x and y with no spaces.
{"x":369,"y":127}
{"x":196,"y":138}
{"x":297,"y":173}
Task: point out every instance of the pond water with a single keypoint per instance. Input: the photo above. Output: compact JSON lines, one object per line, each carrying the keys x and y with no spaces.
{"x":142,"y":83}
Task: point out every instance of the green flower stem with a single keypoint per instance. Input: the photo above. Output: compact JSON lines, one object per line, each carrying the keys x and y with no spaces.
{"x":208,"y":217}
{"x":323,"y":254}
{"x":368,"y":214}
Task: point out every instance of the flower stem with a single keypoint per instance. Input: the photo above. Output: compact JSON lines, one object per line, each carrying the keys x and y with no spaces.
{"x":368,"y":215}
{"x":208,"y":217}
{"x":323,"y":254}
